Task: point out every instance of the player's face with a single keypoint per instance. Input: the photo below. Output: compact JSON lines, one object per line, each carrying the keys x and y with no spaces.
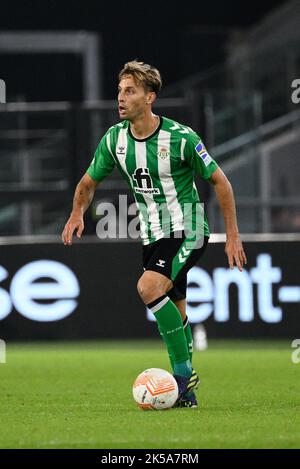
{"x":133,"y":100}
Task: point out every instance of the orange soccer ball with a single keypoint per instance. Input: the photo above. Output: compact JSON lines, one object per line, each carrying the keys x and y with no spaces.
{"x":155,"y":389}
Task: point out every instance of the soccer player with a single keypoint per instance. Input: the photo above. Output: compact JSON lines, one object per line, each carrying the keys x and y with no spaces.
{"x":159,"y":158}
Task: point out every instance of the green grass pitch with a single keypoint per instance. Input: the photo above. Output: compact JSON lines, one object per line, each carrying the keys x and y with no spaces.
{"x":78,"y":395}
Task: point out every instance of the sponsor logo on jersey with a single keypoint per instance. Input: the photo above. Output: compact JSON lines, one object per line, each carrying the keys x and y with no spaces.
{"x":202,"y":152}
{"x":161,"y":263}
{"x":154,"y":191}
{"x":163,"y":153}
{"x":144,"y":182}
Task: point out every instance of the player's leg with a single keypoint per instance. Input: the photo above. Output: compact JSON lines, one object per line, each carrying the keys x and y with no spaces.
{"x":189,"y":400}
{"x":178,"y":293}
{"x":152,"y":287}
{"x":181,"y":305}
{"x":168,"y":256}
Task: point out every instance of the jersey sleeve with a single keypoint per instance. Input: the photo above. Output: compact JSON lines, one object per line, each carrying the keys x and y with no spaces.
{"x":103,"y":162}
{"x":198,"y":158}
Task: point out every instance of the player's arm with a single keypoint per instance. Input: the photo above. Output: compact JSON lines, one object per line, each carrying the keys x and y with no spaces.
{"x":83,"y":196}
{"x":234,"y":248}
{"x":101,"y":166}
{"x":203,"y":164}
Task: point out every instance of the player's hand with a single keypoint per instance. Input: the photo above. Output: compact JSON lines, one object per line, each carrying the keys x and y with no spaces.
{"x":235,"y":252}
{"x":75,"y":223}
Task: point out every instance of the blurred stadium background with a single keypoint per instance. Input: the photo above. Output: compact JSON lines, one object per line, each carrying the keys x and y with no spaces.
{"x":228,"y":72}
{"x":230,"y":80}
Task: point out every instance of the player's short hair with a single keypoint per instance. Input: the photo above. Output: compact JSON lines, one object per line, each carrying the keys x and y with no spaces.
{"x":144,"y":74}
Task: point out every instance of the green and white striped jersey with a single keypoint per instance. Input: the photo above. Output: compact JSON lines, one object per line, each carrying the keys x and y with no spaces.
{"x":161,"y":172}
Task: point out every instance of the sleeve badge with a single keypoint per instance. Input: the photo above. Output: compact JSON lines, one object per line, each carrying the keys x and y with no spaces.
{"x":202,"y":152}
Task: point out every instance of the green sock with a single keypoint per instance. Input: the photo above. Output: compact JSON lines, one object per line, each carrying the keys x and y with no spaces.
{"x":183,"y":368}
{"x":171,"y":358}
{"x":188,"y":336}
{"x":171,"y":328}
{"x":178,"y":369}
{"x":189,"y":340}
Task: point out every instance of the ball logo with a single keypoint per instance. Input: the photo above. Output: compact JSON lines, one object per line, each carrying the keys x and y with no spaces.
{"x":27,"y":292}
{"x":156,"y":387}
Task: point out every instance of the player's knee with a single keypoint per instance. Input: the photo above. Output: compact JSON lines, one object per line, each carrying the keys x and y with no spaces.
{"x":149,"y":289}
{"x":143,"y":288}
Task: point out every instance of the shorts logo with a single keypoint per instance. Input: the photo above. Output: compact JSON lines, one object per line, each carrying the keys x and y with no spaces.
{"x":163,"y":153}
{"x":184,"y":255}
{"x":202,"y":152}
{"x":161,"y":263}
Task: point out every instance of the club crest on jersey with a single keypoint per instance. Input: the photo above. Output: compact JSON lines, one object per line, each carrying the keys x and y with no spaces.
{"x":163,"y":153}
{"x":202,"y":152}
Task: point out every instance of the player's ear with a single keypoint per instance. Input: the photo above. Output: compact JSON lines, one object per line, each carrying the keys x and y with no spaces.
{"x":151,"y":97}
